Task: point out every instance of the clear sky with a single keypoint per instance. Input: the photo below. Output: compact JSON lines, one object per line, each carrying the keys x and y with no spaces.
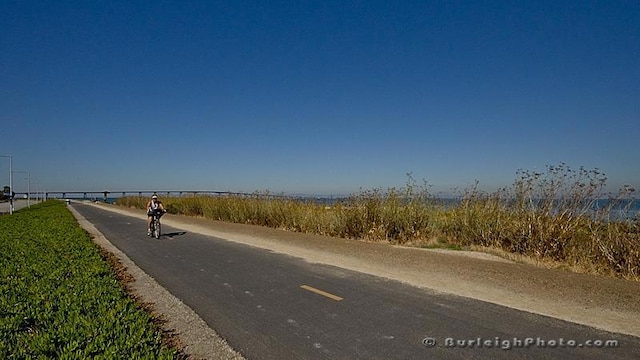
{"x":316,"y":97}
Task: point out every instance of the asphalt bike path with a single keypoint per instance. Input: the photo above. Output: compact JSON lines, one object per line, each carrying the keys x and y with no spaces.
{"x":273,"y":306}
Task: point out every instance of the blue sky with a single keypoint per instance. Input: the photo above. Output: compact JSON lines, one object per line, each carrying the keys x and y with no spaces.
{"x":316,"y":97}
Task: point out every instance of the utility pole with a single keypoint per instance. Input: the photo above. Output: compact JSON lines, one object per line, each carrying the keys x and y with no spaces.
{"x":28,"y":189}
{"x":28,"y":185}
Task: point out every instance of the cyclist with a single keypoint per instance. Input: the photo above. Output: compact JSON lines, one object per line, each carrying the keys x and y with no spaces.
{"x":152,"y":206}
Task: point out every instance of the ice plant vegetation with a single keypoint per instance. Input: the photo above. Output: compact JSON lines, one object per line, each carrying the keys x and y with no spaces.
{"x":59,"y":298}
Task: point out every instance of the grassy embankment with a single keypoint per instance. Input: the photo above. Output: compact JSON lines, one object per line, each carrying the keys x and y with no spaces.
{"x":546,"y":218}
{"x":59,"y":297}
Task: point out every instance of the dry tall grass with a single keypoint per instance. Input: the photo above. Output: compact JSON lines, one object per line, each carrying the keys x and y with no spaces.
{"x":544,"y":216}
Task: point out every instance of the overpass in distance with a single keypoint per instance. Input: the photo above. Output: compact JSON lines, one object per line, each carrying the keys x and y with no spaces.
{"x":107,"y":194}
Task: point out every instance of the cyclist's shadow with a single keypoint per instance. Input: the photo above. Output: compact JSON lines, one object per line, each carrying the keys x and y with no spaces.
{"x":171,"y":235}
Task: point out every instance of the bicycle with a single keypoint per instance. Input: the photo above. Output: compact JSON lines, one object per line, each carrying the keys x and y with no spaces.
{"x":156,"y":227}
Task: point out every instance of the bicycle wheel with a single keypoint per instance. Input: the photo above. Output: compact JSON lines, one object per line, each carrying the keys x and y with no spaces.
{"x":156,"y":230}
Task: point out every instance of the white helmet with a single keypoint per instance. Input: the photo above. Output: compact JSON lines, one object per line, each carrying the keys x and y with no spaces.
{"x":154,"y":197}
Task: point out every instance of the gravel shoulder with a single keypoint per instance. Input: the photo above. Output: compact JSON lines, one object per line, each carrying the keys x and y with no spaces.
{"x":597,"y":301}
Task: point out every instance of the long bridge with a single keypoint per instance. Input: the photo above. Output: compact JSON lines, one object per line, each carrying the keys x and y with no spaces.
{"x":108,"y":194}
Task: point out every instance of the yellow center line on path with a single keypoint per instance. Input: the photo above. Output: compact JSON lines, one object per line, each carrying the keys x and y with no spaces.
{"x":320,"y":292}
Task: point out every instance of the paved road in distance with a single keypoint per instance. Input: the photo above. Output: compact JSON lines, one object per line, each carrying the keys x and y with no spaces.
{"x":17,"y":205}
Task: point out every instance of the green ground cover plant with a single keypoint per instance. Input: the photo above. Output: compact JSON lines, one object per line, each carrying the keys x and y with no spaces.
{"x":548,"y":216}
{"x":59,"y":298}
